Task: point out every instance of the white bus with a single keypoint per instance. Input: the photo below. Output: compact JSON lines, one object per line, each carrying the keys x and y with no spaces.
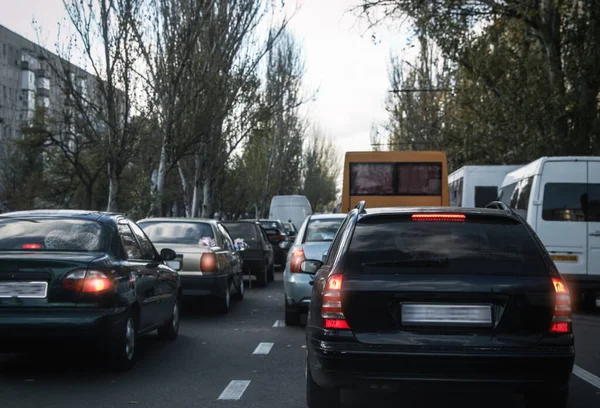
{"x":560,"y":198}
{"x":476,"y":186}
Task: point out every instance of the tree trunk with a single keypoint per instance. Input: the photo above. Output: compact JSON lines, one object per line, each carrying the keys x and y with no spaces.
{"x":113,"y":187}
{"x":186,"y":190}
{"x":197,"y":181}
{"x":207,"y":202}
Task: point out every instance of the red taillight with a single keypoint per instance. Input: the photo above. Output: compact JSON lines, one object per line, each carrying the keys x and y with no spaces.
{"x":296,"y":261}
{"x":331,"y":309}
{"x":90,"y":281}
{"x":561,"y":320}
{"x":208,"y":262}
{"x":439,"y":217}
{"x":31,"y":246}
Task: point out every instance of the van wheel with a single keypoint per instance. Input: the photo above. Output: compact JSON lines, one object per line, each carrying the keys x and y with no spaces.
{"x":548,"y":399}
{"x":317,"y":397}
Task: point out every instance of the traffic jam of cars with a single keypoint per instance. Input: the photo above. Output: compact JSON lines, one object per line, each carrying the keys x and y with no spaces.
{"x":381,"y":299}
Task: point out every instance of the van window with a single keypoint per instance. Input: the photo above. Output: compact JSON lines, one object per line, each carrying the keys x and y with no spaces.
{"x":506,"y":193}
{"x":522,"y":201}
{"x":564,"y":201}
{"x":593,"y":208}
{"x":485,"y":195}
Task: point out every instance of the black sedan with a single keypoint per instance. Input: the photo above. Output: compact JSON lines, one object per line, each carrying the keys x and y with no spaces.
{"x":438,"y":298}
{"x":84,"y":279}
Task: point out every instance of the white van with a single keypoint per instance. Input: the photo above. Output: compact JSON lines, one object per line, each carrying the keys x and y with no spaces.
{"x":290,"y":208}
{"x":476,"y":186}
{"x":560,"y":198}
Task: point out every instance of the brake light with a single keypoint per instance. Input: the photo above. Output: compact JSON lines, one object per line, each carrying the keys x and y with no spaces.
{"x":331,"y":310}
{"x":296,"y":261}
{"x":31,"y":246}
{"x":439,"y":217}
{"x":91,"y":281}
{"x":561,"y":320}
{"x":208,"y":262}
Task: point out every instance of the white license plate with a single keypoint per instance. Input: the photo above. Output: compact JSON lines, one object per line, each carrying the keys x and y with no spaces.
{"x":33,"y":290}
{"x":439,"y":314}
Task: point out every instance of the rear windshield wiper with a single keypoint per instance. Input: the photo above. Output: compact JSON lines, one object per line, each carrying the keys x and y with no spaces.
{"x":410,"y":262}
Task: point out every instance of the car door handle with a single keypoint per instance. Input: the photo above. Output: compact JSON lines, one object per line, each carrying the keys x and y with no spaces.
{"x":312,"y":282}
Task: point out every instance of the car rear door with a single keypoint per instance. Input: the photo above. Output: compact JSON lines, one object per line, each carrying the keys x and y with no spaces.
{"x":145,"y":276}
{"x":561,"y":222}
{"x":593,"y":216}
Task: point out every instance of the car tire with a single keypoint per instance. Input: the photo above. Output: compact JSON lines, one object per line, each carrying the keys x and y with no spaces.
{"x":558,"y":398}
{"x":271,"y":273}
{"x":263,"y":276}
{"x":292,"y":316}
{"x":170,"y":329}
{"x":239,"y":293}
{"x":317,"y":397}
{"x":125,"y":347}
{"x":224,"y":301}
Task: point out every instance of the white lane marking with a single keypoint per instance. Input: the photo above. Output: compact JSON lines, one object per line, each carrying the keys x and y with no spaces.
{"x":279,"y":323}
{"x":263,"y":348}
{"x":234,"y":390}
{"x":587,"y":376}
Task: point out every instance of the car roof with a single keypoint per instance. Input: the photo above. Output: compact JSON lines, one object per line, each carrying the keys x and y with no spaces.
{"x":371,"y":212}
{"x":179,"y":219}
{"x":327,"y":216}
{"x":83,"y":214}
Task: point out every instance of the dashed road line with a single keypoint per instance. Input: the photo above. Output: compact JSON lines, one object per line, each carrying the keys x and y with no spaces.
{"x":587,"y":376}
{"x":234,"y":390}
{"x":263,"y":348}
{"x":279,"y":323}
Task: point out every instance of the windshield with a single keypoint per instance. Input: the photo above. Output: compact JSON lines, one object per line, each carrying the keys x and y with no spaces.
{"x":51,"y":234}
{"x":178,"y":232}
{"x":324,"y":229}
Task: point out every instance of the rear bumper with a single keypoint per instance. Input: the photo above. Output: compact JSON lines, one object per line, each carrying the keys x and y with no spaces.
{"x":194,"y":286}
{"x":334,"y":366}
{"x":297,"y":289}
{"x":23,"y":329}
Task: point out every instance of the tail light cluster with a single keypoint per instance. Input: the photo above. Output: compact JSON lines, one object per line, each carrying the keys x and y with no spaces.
{"x":331,"y":310}
{"x":87,"y":281}
{"x":208,"y":262}
{"x":296,"y":261}
{"x":561,"y":320}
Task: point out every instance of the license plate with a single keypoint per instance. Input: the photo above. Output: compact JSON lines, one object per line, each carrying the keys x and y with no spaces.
{"x":33,"y":290}
{"x":565,"y":258}
{"x":440,"y":314}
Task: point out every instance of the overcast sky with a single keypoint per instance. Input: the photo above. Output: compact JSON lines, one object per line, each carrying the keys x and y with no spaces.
{"x":347,"y":67}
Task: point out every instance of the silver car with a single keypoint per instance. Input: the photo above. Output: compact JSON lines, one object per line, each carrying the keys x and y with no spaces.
{"x":312,"y":242}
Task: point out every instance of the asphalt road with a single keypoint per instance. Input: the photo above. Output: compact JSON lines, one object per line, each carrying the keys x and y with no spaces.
{"x":213,"y":357}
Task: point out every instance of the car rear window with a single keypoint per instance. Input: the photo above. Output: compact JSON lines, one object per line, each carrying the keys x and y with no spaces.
{"x":245,"y":231}
{"x":322,"y":229}
{"x":170,"y":232}
{"x":476,"y":246}
{"x":52,"y":234}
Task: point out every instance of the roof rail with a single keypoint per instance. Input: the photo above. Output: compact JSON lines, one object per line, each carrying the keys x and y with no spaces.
{"x":499,"y":205}
{"x":361,"y":207}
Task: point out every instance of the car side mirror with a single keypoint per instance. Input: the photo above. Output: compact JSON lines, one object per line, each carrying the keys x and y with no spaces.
{"x":310,"y":266}
{"x":167,"y":254}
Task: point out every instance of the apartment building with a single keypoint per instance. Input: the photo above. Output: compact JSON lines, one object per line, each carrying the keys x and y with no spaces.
{"x":28,"y":80}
